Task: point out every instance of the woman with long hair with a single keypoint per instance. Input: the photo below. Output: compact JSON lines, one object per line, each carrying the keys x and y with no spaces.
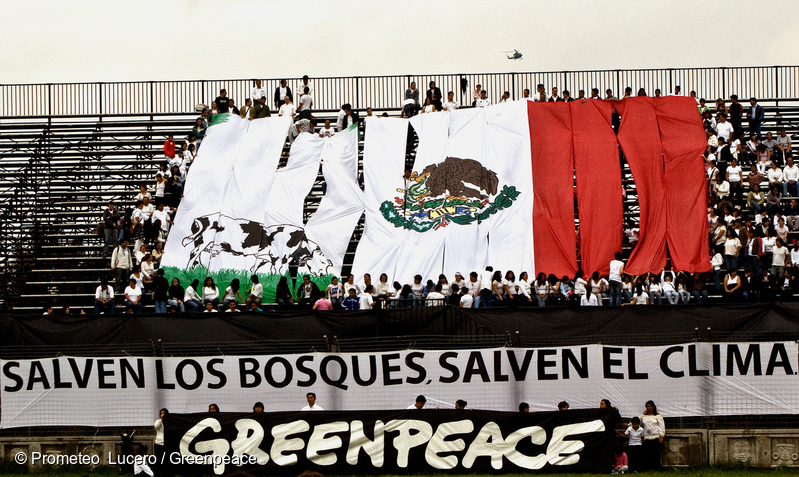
{"x":654,"y":431}
{"x":232,"y":292}
{"x":210,"y":292}
{"x":283,"y":294}
{"x":191,"y":300}
{"x":541,"y":287}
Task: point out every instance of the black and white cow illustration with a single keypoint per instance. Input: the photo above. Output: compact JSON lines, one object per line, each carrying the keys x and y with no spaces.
{"x":272,"y":248}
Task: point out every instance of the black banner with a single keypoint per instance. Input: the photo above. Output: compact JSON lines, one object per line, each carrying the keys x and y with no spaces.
{"x":404,"y":442}
{"x":559,"y":326}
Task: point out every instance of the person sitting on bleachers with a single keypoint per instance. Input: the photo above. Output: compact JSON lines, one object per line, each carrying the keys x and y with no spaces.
{"x":169,"y":147}
{"x":104,"y":297}
{"x":790,"y":178}
{"x":773,"y":199}
{"x":784,"y":144}
{"x":133,"y":295}
{"x":751,"y":148}
{"x":732,"y":285}
{"x":791,"y":215}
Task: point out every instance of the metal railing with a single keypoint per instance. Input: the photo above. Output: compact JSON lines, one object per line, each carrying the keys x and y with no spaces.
{"x":386,"y":92}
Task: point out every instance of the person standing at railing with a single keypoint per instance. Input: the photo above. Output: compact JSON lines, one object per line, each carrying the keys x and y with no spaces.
{"x":756,"y":117}
{"x":411,"y":104}
{"x":281,"y":92}
{"x":257,"y":91}
{"x":222,"y":102}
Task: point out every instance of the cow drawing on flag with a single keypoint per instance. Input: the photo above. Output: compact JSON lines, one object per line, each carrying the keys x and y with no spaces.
{"x":272,"y":248}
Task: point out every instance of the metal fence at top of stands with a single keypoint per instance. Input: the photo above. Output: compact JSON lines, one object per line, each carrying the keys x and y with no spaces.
{"x":386,"y":92}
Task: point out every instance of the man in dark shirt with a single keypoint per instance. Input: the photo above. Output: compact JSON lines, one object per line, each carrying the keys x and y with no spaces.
{"x":222,"y":102}
{"x":736,"y":113}
{"x":756,"y":116}
{"x":260,"y":110}
{"x":111,"y":227}
{"x":434,"y":93}
{"x":160,"y":291}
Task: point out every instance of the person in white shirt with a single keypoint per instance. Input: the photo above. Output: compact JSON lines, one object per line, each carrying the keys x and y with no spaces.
{"x":162,"y":218}
{"x":287,"y":108}
{"x":774,"y":174}
{"x":614,"y":279}
{"x":191,"y":300}
{"x":419,"y":403}
{"x":734,"y":175}
{"x":140,"y":466}
{"x":327,"y":131}
{"x":133,"y":297}
{"x":473,"y":285}
{"x":790,"y":177}
{"x":588,"y":300}
{"x":104,"y":296}
{"x":257,"y":91}
{"x":640,"y":296}
{"x":505,"y":98}
{"x":525,"y":289}
{"x":724,"y":128}
{"x":366,"y":300}
{"x":209,"y":308}
{"x":451,"y":104}
{"x":232,"y":308}
{"x":312,"y":406}
{"x":466,"y":299}
{"x":483,"y":101}
{"x":779,"y":258}
{"x":435,"y":297}
{"x":306,"y":83}
{"x":256,"y":292}
{"x":484,"y":300}
{"x":305,"y":105}
{"x":579,"y":285}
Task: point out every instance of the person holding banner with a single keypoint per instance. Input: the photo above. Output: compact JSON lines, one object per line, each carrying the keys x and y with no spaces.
{"x":654,"y":430}
{"x":311,"y":398}
{"x":158,"y":447}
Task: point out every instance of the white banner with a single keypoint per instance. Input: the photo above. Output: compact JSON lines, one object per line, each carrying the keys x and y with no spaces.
{"x":467,"y":203}
{"x":695,"y":379}
{"x":242,"y":214}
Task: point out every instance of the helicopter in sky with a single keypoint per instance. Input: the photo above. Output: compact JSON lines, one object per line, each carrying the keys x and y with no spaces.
{"x":515,"y":56}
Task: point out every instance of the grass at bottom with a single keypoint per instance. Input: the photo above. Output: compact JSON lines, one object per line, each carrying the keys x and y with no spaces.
{"x":12,"y":469}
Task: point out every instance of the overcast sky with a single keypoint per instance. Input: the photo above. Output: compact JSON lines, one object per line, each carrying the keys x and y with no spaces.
{"x":102,"y":40}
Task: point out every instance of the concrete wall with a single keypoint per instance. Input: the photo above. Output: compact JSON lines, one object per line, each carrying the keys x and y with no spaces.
{"x":681,"y":447}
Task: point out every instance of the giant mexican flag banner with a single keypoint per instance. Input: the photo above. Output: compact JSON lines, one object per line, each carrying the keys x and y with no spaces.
{"x":494,"y":186}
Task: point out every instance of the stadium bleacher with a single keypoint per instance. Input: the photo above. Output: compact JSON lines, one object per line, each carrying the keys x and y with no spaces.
{"x":57,"y":173}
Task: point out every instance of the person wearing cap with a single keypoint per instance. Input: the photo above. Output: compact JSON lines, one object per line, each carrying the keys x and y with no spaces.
{"x":258,"y":407}
{"x":311,"y":398}
{"x":459,"y":280}
{"x":260,"y":110}
{"x":420,"y":401}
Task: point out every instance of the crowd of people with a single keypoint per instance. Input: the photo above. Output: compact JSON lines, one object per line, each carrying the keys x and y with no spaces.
{"x":751,"y":213}
{"x":760,"y":243}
